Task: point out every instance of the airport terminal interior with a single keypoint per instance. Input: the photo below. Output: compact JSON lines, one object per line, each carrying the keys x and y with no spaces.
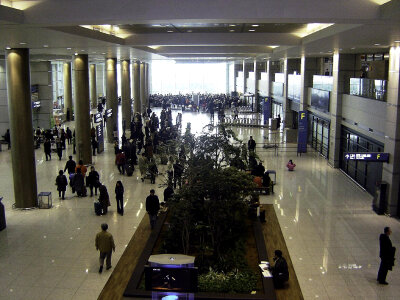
{"x":316,"y":82}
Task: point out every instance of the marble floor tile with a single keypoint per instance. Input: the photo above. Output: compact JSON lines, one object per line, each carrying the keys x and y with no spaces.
{"x":326,"y":220}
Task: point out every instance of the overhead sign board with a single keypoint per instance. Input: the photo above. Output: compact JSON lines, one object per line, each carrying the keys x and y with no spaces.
{"x":367,"y":156}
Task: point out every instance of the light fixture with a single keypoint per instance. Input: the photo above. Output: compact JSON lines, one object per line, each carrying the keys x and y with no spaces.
{"x":352,"y":48}
{"x":94,"y":52}
{"x":252,"y":30}
{"x":169,"y":31}
{"x":255,"y":25}
{"x":232,"y":30}
{"x":22,"y":43}
{"x":377,"y":44}
{"x":45,"y":46}
{"x":69,"y":48}
{"x":82,"y":50}
{"x":103,"y":53}
{"x":190,"y":30}
{"x":76,"y":53}
{"x":8,"y":48}
{"x":232,"y":25}
{"x":156,"y":25}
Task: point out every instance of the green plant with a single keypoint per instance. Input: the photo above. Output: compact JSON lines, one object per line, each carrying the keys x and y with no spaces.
{"x":231,"y":282}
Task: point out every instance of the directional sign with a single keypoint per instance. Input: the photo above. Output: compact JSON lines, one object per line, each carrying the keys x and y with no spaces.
{"x":98,"y":118}
{"x":109,"y":113}
{"x":367,"y":156}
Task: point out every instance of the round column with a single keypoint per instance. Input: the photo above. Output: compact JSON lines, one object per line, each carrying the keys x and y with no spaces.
{"x":112,"y":97}
{"x":137,"y":106}
{"x":93,"y":87}
{"x":142,"y":87}
{"x":21,"y":130}
{"x":147,"y":88}
{"x":67,"y":89}
{"x":126,"y":91}
{"x":82,"y":108}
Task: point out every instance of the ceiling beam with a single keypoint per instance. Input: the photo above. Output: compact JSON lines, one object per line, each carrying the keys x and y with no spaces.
{"x":214,"y":39}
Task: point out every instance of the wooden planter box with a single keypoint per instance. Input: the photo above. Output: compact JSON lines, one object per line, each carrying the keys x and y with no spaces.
{"x":133,"y":284}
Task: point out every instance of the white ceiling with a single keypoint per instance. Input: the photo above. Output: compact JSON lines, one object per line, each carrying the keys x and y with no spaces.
{"x":49,"y":28}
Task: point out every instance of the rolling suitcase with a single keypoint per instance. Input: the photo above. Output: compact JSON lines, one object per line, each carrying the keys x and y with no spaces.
{"x":97,"y":208}
{"x":129,"y":170}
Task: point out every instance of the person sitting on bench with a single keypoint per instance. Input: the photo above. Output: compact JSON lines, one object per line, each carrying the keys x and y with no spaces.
{"x":280,"y":270}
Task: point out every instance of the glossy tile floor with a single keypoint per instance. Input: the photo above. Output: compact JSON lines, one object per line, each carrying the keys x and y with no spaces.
{"x":330,"y":230}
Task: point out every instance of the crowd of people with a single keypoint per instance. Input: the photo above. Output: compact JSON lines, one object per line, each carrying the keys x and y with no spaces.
{"x":196,"y":102}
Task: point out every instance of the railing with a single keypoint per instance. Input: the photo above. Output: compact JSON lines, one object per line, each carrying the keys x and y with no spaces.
{"x":368,"y":88}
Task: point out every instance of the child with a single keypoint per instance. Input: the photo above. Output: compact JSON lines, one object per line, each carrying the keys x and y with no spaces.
{"x":119,"y":195}
{"x":290,"y":165}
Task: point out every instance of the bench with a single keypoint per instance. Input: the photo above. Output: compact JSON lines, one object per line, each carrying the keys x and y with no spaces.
{"x":266,"y":189}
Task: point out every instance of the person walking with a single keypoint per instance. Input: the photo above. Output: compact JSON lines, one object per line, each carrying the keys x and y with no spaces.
{"x":119,"y":195}
{"x":120,"y":162}
{"x":70,"y":166}
{"x":251,"y":145}
{"x":152,"y":207}
{"x":95,"y":145}
{"x":104,"y":199}
{"x":59,"y":148}
{"x":47,"y":149}
{"x":82,"y":167}
{"x":386,"y":253}
{"x":79,"y":183}
{"x":69,"y":135}
{"x":7,"y":138}
{"x":105,"y":244}
{"x":93,"y":180}
{"x":61,"y":182}
{"x":143,"y":166}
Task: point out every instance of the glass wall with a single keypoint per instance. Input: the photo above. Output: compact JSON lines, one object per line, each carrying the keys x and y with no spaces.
{"x":276,"y":109}
{"x":364,"y":173}
{"x":169,"y":77}
{"x":318,"y":134}
{"x":368,"y":88}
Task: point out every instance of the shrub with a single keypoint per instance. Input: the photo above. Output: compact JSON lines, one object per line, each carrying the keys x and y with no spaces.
{"x":231,"y":282}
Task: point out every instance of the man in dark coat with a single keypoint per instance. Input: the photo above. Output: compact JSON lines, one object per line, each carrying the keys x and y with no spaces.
{"x":251,"y":144}
{"x":70,"y":166}
{"x":386,"y":254}
{"x":280,"y":270}
{"x":47,"y":149}
{"x":152,"y":207}
{"x":104,"y":199}
{"x":79,"y":183}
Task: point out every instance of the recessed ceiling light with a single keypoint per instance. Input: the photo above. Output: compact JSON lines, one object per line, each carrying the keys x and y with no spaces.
{"x":190,"y":31}
{"x":8,"y":48}
{"x":231,"y":30}
{"x":377,"y":44}
{"x":255,"y":25}
{"x":103,"y":53}
{"x":232,"y":25}
{"x":157,"y":25}
{"x":252,"y":30}
{"x":82,"y":50}
{"x":45,"y":46}
{"x":69,"y":48}
{"x":76,"y":53}
{"x":170,"y":31}
{"x":352,"y":48}
{"x":22,"y":43}
{"x":397,"y":41}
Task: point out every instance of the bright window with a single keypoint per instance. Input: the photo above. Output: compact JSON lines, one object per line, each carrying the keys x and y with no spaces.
{"x":169,"y":77}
